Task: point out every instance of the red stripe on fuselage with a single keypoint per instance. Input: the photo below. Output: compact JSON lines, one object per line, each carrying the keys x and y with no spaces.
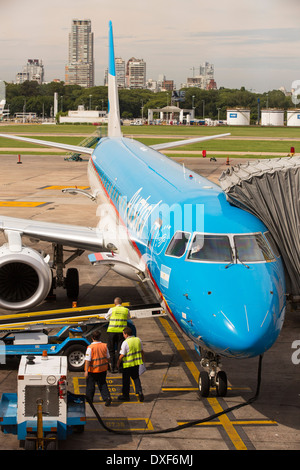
{"x":132,"y":242}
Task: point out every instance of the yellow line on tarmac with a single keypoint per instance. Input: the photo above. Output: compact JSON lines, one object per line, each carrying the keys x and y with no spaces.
{"x":119,"y":424}
{"x":224,"y":420}
{"x":20,"y":204}
{"x":64,"y":187}
{"x":227,"y":425}
{"x":265,"y":422}
{"x":179,"y":346}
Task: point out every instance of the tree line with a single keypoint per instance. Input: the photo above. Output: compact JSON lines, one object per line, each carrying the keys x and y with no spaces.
{"x":32,"y":97}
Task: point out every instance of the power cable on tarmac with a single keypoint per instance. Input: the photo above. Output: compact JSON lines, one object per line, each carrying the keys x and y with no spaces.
{"x":190,"y":423}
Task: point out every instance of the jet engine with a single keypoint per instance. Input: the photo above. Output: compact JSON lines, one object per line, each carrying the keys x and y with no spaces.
{"x":25,"y":278}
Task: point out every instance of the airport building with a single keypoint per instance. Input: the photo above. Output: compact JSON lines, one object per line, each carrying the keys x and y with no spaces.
{"x":80,"y":67}
{"x":171,"y":114}
{"x":84,"y":116}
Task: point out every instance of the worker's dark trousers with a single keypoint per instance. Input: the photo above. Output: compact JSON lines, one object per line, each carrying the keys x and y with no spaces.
{"x":114,"y":341}
{"x":99,"y":379}
{"x":131,"y":372}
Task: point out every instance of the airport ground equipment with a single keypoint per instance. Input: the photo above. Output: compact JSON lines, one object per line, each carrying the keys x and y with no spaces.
{"x":72,"y":330}
{"x":88,"y":142}
{"x":42,"y":412}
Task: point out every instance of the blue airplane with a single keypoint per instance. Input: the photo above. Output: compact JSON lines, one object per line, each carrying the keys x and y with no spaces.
{"x":213,"y":266}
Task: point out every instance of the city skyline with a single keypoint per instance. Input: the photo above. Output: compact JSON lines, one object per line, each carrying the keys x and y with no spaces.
{"x":254,"y":45}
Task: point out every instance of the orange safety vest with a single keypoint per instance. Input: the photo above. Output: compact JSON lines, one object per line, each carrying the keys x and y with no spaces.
{"x":99,"y":360}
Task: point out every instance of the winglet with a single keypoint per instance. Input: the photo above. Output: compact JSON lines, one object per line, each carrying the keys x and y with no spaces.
{"x":114,"y":124}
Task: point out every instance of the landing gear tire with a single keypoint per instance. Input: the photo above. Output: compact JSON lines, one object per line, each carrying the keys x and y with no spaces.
{"x":221,"y":384}
{"x":204,"y":384}
{"x":72,"y":283}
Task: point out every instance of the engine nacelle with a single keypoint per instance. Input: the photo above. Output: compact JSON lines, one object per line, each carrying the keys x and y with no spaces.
{"x":25,"y":278}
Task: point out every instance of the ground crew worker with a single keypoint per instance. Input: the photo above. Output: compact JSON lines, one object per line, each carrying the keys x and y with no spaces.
{"x":95,"y":370}
{"x":132,"y":356}
{"x":117,"y":317}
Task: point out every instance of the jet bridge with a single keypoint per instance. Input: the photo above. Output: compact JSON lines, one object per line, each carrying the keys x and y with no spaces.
{"x":270,"y":189}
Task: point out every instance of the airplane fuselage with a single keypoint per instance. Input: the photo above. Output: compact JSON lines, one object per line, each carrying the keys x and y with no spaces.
{"x":209,"y":261}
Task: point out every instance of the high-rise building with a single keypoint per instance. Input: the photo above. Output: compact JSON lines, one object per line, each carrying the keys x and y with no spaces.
{"x":120,"y":73}
{"x":80,"y":67}
{"x":205,"y":78}
{"x":136,"y":73}
{"x":32,"y":71}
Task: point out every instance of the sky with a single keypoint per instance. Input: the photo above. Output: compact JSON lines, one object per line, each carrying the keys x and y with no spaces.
{"x":253,"y":43}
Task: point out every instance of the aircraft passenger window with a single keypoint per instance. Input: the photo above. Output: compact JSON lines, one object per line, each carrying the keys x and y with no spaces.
{"x":215,"y":248}
{"x":252,"y":248}
{"x":178,"y":244}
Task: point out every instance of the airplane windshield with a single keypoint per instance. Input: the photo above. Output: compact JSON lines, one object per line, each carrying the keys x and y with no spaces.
{"x":252,"y":248}
{"x":178,"y":244}
{"x":213,"y":248}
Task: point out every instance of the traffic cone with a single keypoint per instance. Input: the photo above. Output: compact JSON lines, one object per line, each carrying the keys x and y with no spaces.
{"x":227,"y":161}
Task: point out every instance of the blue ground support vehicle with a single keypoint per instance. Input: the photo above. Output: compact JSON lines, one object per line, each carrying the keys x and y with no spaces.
{"x":67,"y":332}
{"x":69,"y":341}
{"x":42,"y":412}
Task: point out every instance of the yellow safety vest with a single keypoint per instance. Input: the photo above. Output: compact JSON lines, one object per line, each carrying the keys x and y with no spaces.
{"x":134,"y":356}
{"x":118,"y":320}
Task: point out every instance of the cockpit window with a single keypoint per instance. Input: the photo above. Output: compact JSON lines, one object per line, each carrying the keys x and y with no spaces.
{"x":272,"y":244}
{"x":178,"y":244}
{"x":214,"y":248}
{"x":252,"y":248}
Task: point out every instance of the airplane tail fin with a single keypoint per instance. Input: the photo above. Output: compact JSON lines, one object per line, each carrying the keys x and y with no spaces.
{"x":114,"y":123}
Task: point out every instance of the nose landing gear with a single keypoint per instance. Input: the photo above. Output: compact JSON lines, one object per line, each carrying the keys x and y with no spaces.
{"x":212,"y":376}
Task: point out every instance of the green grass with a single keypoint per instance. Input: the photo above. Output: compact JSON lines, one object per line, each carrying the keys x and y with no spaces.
{"x":247,"y":131}
{"x":233,"y":145}
{"x":251,"y":143}
{"x":47,"y":129}
{"x":15,"y":143}
{"x":237,"y":131}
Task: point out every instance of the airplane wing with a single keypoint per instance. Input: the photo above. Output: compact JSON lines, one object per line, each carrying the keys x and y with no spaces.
{"x":67,"y":147}
{"x":85,"y":238}
{"x":178,"y":143}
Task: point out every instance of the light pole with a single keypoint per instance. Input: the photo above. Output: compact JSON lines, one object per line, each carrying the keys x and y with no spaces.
{"x":193,"y":106}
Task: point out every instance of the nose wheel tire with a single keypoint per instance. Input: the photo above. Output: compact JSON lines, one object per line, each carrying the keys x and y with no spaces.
{"x":221,"y":384}
{"x":204,"y":384}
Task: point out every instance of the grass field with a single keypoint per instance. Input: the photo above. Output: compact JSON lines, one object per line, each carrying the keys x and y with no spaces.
{"x":273,"y":141}
{"x":247,"y":131}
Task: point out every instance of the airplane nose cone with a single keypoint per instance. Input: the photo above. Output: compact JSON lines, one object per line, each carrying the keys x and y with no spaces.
{"x":245,"y":332}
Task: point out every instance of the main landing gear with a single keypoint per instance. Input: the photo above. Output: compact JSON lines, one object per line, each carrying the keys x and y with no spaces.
{"x":211,"y":376}
{"x":70,"y":282}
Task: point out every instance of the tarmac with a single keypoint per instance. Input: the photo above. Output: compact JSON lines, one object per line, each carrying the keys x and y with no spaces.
{"x":32,"y":189}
